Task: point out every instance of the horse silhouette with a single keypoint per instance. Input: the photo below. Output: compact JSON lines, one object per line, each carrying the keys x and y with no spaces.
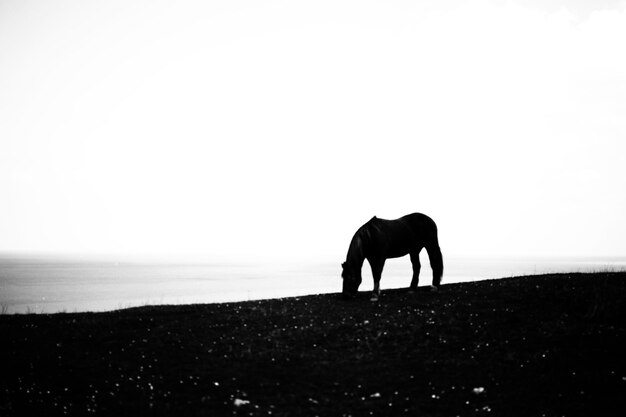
{"x":380,"y":239}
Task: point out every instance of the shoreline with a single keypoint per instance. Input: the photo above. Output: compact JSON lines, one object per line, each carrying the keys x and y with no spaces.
{"x":72,"y":285}
{"x":531,"y":345}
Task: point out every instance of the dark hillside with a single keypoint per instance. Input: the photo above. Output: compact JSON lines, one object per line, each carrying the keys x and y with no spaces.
{"x":549,"y":345}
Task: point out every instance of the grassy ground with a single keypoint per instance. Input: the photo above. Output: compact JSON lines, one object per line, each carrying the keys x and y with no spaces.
{"x":552,"y":345}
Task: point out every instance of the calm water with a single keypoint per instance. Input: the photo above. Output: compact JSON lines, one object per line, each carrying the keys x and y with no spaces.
{"x":49,"y":285}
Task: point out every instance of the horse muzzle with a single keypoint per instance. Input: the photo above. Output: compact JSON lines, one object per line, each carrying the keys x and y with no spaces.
{"x":350,"y":287}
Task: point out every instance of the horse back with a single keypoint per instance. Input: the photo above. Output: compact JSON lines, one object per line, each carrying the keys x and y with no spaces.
{"x":395,"y":238}
{"x":421,"y":225}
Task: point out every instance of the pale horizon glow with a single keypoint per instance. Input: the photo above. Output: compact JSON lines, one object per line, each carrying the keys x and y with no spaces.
{"x":271,"y":130}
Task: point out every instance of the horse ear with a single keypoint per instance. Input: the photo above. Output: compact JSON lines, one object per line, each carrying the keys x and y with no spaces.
{"x":343,"y":265}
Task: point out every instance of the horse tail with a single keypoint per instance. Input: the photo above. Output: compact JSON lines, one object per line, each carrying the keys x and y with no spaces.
{"x":436,"y":261}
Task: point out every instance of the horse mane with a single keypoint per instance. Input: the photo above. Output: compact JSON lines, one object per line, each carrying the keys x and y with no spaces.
{"x":356,"y":251}
{"x":365,"y":231}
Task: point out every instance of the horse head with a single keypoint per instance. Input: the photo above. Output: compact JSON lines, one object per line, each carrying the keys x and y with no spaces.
{"x":351,"y":279}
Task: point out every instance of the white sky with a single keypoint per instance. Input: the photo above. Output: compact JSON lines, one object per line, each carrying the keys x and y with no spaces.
{"x":274,"y":129}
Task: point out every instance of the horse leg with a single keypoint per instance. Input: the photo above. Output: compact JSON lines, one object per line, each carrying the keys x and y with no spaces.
{"x":377,"y":271}
{"x":436,"y":263}
{"x":415,"y":260}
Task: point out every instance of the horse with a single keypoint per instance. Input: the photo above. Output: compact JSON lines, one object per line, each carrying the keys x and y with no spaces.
{"x":380,"y":239}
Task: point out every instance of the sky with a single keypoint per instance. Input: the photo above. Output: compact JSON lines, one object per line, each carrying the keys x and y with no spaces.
{"x":251,"y":130}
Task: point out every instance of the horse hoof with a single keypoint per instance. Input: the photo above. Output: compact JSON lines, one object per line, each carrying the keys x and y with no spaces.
{"x":433,"y":288}
{"x":374,"y":298}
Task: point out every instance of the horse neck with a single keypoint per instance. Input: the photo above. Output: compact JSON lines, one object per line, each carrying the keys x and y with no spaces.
{"x":356,"y":253}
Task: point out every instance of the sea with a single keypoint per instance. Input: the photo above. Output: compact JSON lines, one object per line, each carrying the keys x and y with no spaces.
{"x":65,"y":284}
